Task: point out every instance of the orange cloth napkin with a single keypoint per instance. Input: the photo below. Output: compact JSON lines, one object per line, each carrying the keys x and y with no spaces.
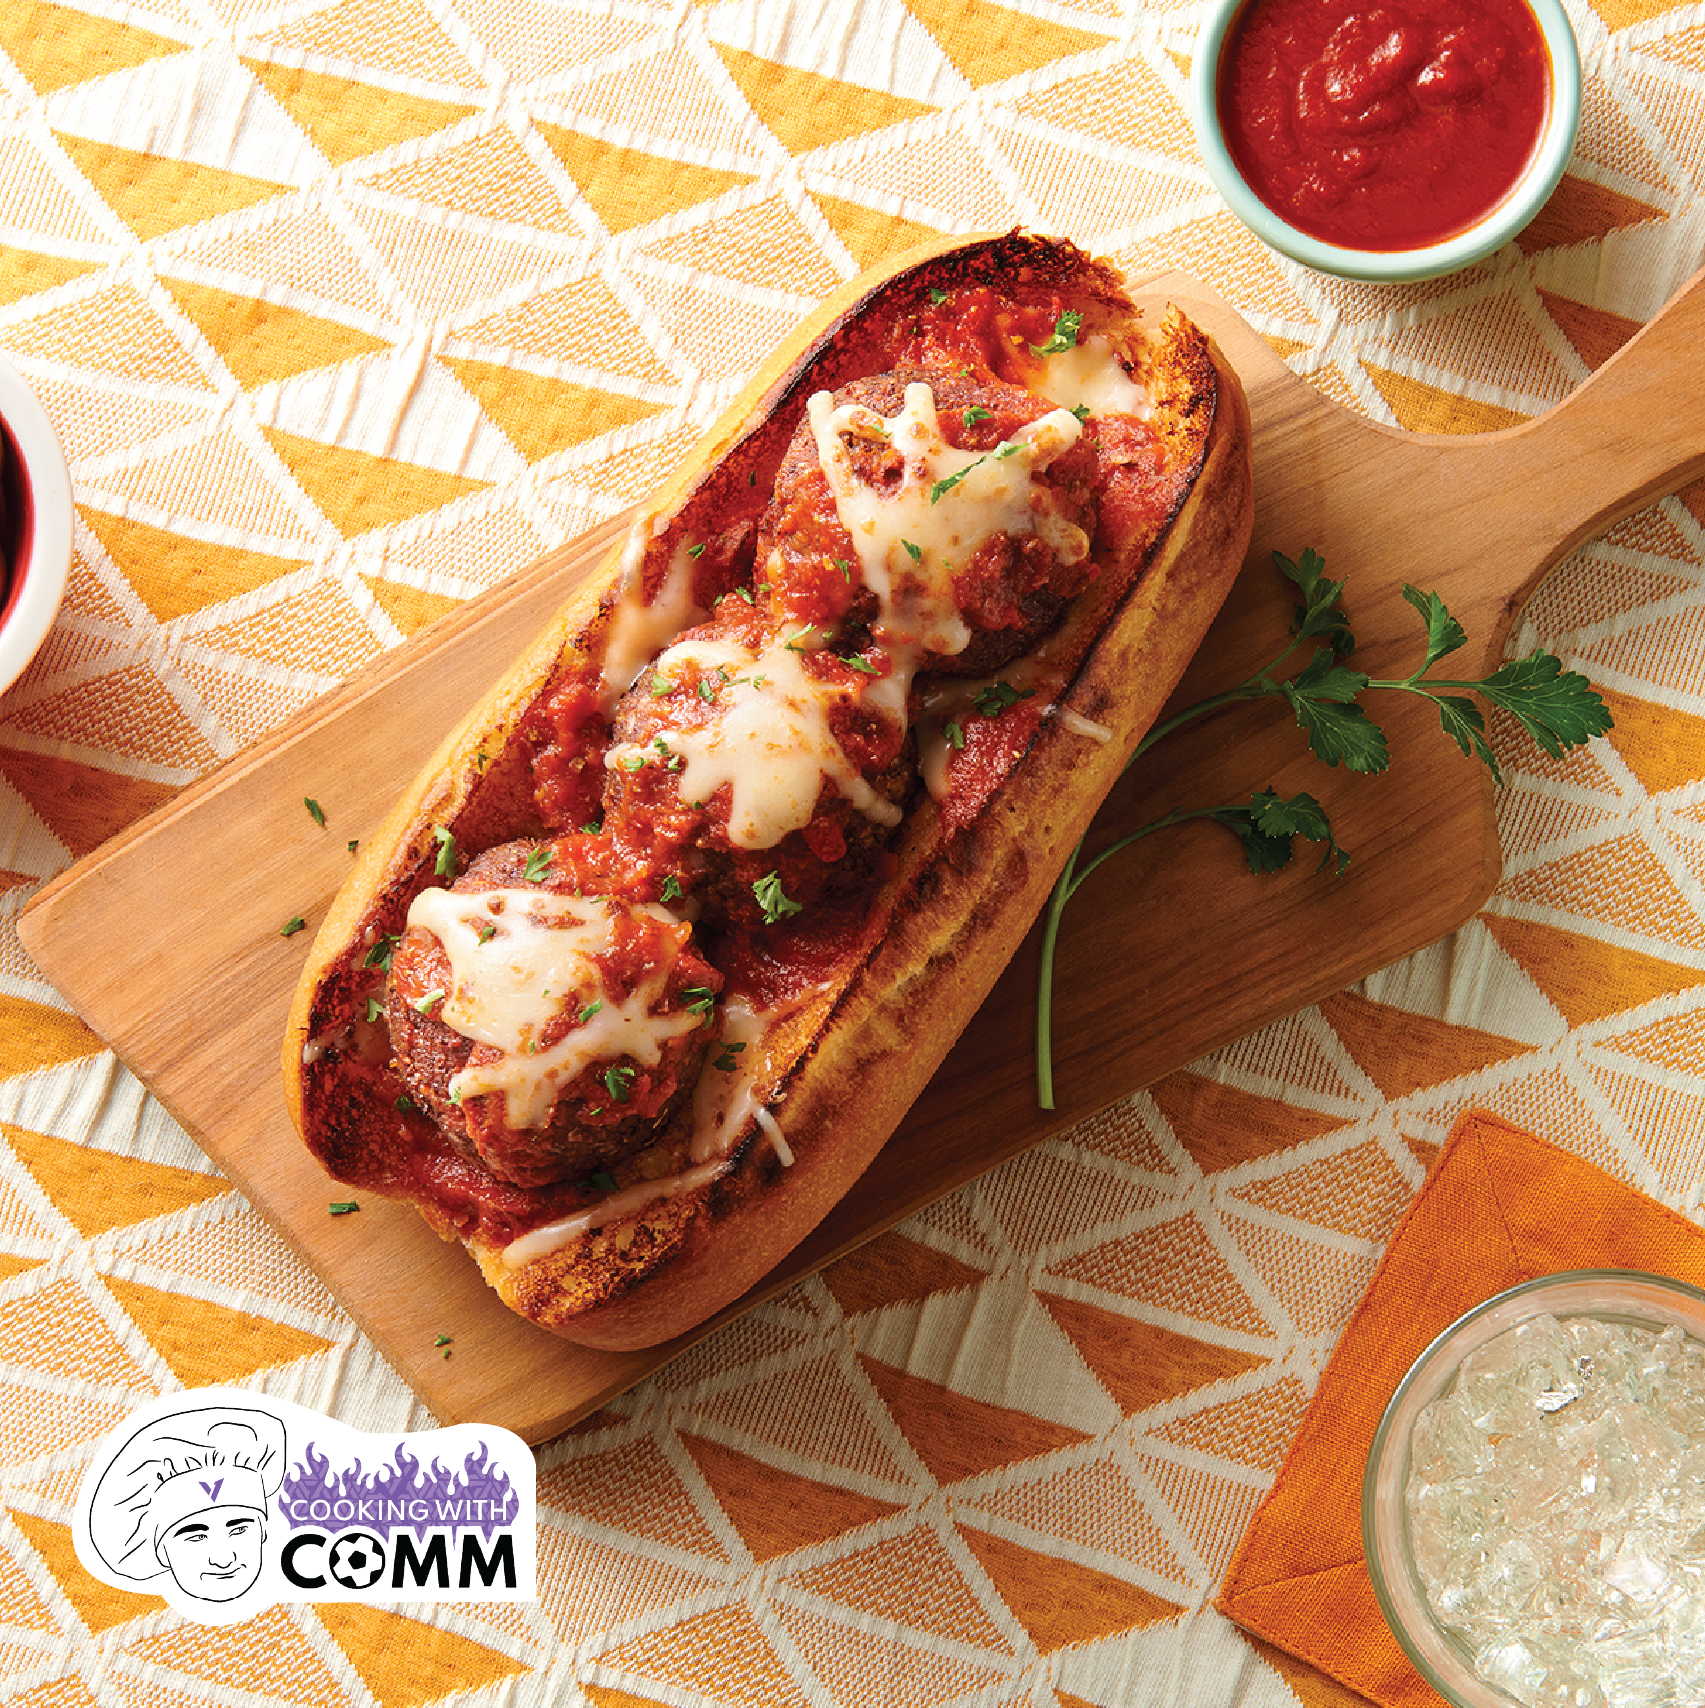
{"x":1499,"y":1207}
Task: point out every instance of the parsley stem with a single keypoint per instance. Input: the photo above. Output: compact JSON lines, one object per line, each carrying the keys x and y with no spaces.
{"x":1070,"y":880}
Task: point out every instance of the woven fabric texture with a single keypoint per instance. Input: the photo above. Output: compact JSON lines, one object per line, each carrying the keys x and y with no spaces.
{"x":344,"y":309}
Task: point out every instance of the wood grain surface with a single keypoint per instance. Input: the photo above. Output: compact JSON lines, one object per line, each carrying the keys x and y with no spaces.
{"x":167,"y":939}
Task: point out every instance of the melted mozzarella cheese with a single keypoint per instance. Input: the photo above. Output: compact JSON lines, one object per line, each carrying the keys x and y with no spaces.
{"x":1091,"y":374}
{"x":521,"y":958}
{"x":771,"y":743}
{"x":639,"y":631}
{"x":910,"y":540}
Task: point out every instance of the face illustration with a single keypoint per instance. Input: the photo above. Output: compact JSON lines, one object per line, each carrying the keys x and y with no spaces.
{"x":215,"y":1555}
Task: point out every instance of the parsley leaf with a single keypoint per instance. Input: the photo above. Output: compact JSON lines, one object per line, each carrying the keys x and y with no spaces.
{"x":772,"y":899}
{"x":445,"y":865}
{"x":315,"y":811}
{"x":538,"y":863}
{"x":1065,"y":335}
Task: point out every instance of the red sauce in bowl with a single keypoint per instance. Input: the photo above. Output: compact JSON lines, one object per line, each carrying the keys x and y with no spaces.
{"x":1383,"y":126}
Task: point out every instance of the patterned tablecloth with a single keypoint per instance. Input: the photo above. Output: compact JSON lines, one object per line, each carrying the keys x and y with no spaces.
{"x":345,"y":308}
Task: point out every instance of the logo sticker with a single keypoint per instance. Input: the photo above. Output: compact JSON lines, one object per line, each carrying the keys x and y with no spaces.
{"x":225,"y":1502}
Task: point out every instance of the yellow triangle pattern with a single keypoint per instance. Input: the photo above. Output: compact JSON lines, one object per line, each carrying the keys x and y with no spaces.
{"x":269,"y":1646}
{"x":58,"y":1332}
{"x":205,"y":1344}
{"x":628,"y":187}
{"x":871,"y":236}
{"x":580,"y":322}
{"x":348,"y":119}
{"x":110,"y":331}
{"x":263,"y":342}
{"x":29,"y":272}
{"x":174,"y":574}
{"x":100,"y":1607}
{"x":400,"y":36}
{"x":807,"y":110}
{"x":154,"y":195}
{"x":57,"y":46}
{"x":409,"y":608}
{"x":989,"y":43}
{"x":542,"y":415}
{"x":406,"y":1663}
{"x":1424,"y":408}
{"x":34,"y":1036}
{"x":488,"y":177}
{"x":358,"y":491}
{"x":96,"y":1190}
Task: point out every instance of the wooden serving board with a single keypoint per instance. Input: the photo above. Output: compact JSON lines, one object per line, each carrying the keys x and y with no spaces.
{"x":167,"y":939}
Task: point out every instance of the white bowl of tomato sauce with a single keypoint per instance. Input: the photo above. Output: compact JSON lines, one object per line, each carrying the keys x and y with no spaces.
{"x":35,"y":525}
{"x":1386,"y":139}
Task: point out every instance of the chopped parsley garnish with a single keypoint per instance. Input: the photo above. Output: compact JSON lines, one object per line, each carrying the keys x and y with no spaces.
{"x":381,"y":952}
{"x":1065,"y":335}
{"x":698,"y":550}
{"x":291,"y":926}
{"x":618,"y":1081}
{"x":796,"y":643}
{"x":955,"y":734}
{"x":1082,"y":411}
{"x":538,"y":863}
{"x":661,"y":685}
{"x":343,"y":1207}
{"x":353,"y":844}
{"x":726,"y":1063}
{"x":856,"y":662}
{"x":937,"y":294}
{"x":589,"y":1010}
{"x":426,"y":1004}
{"x":487,"y":932}
{"x":772,"y":899}
{"x":375,"y":1007}
{"x":998,"y":696}
{"x":703,"y":1001}
{"x":445,"y":865}
{"x":600,"y":1180}
{"x":671,"y":888}
{"x":975,"y":414}
{"x":315,"y":811}
{"x":915,"y":553}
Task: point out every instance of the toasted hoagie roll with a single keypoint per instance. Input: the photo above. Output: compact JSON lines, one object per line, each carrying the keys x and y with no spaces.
{"x":654,"y":955}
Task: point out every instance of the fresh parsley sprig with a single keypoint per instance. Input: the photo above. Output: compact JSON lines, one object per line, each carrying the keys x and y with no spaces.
{"x":1557,"y":708}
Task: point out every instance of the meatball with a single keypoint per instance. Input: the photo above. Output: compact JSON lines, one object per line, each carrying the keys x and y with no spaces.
{"x":547,"y":1030}
{"x":1007,"y":586}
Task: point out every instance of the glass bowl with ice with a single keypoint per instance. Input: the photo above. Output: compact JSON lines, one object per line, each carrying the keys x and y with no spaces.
{"x":1533,"y":1510}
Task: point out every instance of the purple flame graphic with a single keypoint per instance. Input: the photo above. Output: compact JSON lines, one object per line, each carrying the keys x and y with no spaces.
{"x":401,"y":1495}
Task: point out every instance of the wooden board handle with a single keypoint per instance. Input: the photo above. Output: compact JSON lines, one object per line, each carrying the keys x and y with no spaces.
{"x":1630,"y":433}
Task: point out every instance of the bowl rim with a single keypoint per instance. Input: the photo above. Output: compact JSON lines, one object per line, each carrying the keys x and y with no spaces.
{"x":1574,"y":1292}
{"x":1392,"y":266}
{"x":34,"y":602}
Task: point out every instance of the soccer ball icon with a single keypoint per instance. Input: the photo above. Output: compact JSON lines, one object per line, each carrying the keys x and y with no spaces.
{"x":357,"y":1560}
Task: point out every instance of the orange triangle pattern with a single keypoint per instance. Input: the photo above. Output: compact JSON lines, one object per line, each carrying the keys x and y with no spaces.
{"x":911,"y":1580}
{"x":1433,"y":1052}
{"x":34,"y":1036}
{"x":1060,"y":1602}
{"x":205,"y":1344}
{"x":407,"y":1663}
{"x":1585,"y":977}
{"x":957,"y":1436}
{"x":96,"y":1190}
{"x":58,"y":46}
{"x":1221,"y":1125}
{"x":777,"y":1511}
{"x":1142,"y":1365}
{"x":894,"y":1269}
{"x":269,"y":1646}
{"x":99,"y":1606}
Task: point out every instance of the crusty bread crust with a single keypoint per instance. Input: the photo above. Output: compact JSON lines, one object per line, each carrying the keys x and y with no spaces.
{"x":840,"y":1071}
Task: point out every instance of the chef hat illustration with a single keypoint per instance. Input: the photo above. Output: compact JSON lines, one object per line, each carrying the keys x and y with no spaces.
{"x":175,"y":1467}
